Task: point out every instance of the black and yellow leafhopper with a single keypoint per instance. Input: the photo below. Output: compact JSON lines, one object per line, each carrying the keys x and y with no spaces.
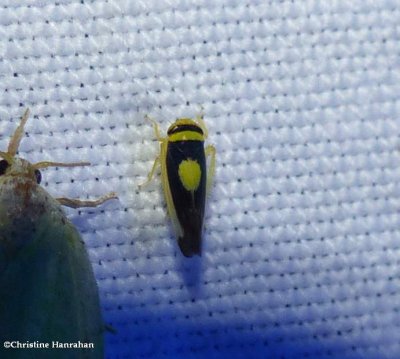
{"x":185,"y":178}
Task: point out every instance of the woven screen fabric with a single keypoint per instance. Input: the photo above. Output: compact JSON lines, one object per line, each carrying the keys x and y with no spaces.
{"x":301,"y":253}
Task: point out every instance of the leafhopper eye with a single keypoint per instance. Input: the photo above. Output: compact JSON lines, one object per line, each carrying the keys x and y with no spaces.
{"x":3,"y":166}
{"x":38,"y":176}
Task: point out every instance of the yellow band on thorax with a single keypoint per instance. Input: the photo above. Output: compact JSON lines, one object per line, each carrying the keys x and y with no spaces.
{"x":186,"y":136}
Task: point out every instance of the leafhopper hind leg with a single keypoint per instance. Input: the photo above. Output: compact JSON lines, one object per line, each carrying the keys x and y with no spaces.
{"x":151,"y":173}
{"x":210,"y":151}
{"x":76,"y":203}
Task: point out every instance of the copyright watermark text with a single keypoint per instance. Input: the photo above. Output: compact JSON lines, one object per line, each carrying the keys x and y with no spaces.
{"x":16,"y":344}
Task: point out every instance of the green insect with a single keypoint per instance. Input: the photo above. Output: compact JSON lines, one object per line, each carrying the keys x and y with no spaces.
{"x":48,"y":290}
{"x":185,"y":178}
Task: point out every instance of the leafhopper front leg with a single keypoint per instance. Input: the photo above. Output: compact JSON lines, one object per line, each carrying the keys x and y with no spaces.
{"x":157,"y":160}
{"x":156,"y":128}
{"x":200,"y":120}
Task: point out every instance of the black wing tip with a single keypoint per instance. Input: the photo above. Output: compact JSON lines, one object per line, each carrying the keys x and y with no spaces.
{"x":190,"y":246}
